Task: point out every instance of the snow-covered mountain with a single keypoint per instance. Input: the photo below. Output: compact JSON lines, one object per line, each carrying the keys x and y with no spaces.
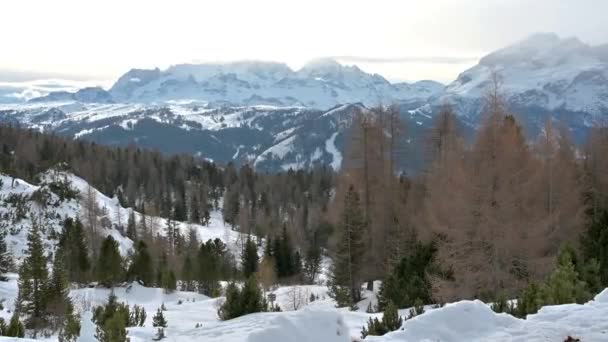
{"x":271,"y":138}
{"x":545,"y":71}
{"x":22,"y":203}
{"x":274,"y":117}
{"x":541,"y":75}
{"x":320,"y":84}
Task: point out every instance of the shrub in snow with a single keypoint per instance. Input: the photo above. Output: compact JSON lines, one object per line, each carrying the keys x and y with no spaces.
{"x":159,"y":321}
{"x":417,"y":309}
{"x":242,"y":302}
{"x":391,"y":321}
{"x":410,"y":281}
{"x":137,"y":316}
{"x":15,"y":327}
{"x":113,"y":318}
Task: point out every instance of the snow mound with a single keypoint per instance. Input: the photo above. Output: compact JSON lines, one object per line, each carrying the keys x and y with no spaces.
{"x":305,"y":326}
{"x":461,"y":321}
{"x":602,"y":297}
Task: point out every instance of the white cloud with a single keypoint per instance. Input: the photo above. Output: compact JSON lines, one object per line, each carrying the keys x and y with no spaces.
{"x":105,"y":38}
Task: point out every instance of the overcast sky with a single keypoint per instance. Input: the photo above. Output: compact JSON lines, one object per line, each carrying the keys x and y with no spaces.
{"x":402,"y":39}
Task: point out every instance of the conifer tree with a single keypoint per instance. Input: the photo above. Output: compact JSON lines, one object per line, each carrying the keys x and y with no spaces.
{"x":409,"y":280}
{"x":132,"y":227}
{"x":594,"y":242}
{"x":33,"y":280}
{"x":6,"y":260}
{"x":169,"y":282}
{"x":252,"y":299}
{"x":187,"y":275}
{"x":250,"y":258}
{"x":141,"y":267}
{"x":110,"y":264}
{"x":564,"y":285}
{"x":283,"y":255}
{"x":232,"y":306}
{"x":112,"y":320}
{"x":209,"y":267}
{"x":70,"y":330}
{"x":161,"y":270}
{"x":57,"y":294}
{"x":345,"y":278}
{"x":159,"y":321}
{"x":230,"y":209}
{"x":242,"y":302}
{"x":73,"y":246}
{"x":391,"y":321}
{"x":15,"y":328}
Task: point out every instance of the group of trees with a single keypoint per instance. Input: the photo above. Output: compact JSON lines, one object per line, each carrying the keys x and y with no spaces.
{"x":43,"y":302}
{"x":113,"y":318}
{"x":485,"y":220}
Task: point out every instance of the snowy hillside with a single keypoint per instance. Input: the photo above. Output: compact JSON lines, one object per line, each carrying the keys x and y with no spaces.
{"x":23,"y":203}
{"x":321,"y":84}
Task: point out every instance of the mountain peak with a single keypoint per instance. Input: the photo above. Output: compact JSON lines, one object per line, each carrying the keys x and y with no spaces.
{"x":545,"y":47}
{"x":324,"y":63}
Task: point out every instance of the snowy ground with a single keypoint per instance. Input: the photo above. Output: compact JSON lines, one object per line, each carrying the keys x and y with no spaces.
{"x":320,"y":321}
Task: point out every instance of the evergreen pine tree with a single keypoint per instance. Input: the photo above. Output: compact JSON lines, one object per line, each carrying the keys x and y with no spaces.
{"x":132,"y":227}
{"x":242,"y":302}
{"x":391,"y":321}
{"x":409,"y":280}
{"x":15,"y":327}
{"x":33,"y":279}
{"x":141,"y":267}
{"x":252,"y":297}
{"x":594,"y":244}
{"x":283,"y":255}
{"x":110,"y":270}
{"x":169,"y":282}
{"x":57,"y":294}
{"x":112,"y":320}
{"x":159,"y":319}
{"x":345,"y":278}
{"x":250,"y":258}
{"x":72,"y":245}
{"x":208,"y":274}
{"x":230,"y":208}
{"x":187,"y":275}
{"x":70,"y":331}
{"x":6,"y":260}
{"x":161,"y":270}
{"x":564,"y":285}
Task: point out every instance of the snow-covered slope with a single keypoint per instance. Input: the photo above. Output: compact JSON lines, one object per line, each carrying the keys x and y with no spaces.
{"x":321,"y":84}
{"x":22,"y":203}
